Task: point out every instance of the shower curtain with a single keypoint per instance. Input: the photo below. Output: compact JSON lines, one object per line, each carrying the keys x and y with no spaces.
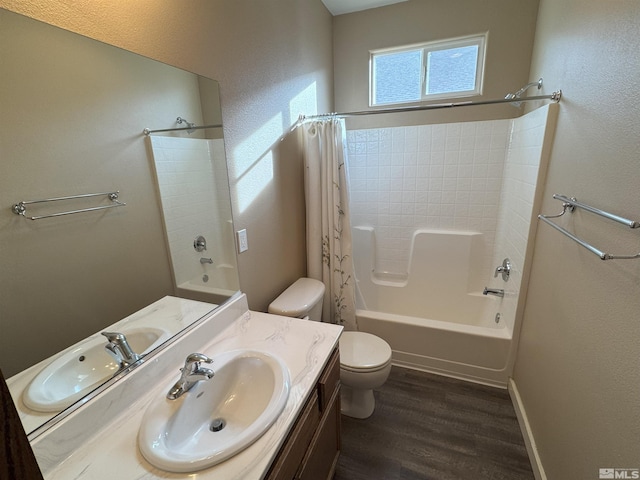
{"x":329,"y":256}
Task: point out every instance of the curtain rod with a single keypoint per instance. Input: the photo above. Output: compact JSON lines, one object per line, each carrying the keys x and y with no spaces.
{"x":146,"y":131}
{"x":555,"y":96}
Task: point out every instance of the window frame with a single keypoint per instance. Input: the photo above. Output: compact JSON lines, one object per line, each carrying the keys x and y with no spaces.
{"x":479,"y":40}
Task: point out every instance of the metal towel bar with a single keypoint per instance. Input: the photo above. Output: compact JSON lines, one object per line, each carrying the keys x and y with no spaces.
{"x":571,"y":204}
{"x":20,"y":208}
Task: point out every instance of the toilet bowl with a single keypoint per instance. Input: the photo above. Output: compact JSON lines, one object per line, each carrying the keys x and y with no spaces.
{"x":365,"y":363}
{"x":365,"y":360}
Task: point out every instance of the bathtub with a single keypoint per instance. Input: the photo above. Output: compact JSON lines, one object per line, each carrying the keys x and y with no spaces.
{"x":434,"y":315}
{"x":214,"y":285}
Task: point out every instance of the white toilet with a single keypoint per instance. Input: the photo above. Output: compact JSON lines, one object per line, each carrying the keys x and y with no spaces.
{"x":365,"y":360}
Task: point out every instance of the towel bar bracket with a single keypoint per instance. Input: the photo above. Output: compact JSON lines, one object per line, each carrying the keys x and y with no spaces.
{"x":19,"y":209}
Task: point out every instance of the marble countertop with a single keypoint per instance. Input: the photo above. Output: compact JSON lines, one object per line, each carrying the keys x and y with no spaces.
{"x":112,"y":451}
{"x":172,"y":314}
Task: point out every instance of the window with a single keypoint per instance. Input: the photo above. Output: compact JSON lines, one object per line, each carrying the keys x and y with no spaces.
{"x":430,"y":71}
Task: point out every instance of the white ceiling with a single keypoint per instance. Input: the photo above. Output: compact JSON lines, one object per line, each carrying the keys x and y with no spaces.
{"x":338,"y":7}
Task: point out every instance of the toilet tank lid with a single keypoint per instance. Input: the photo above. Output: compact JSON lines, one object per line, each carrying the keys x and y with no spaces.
{"x":299,"y":298}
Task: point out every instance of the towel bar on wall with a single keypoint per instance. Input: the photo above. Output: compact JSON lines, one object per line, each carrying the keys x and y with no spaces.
{"x":20,"y":208}
{"x":570,"y":204}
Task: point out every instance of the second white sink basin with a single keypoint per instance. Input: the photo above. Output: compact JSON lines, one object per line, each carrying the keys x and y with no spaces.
{"x":81,"y":368}
{"x":218,"y":417}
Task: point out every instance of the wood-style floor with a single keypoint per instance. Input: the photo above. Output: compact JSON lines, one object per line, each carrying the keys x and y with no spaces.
{"x":437,"y":428}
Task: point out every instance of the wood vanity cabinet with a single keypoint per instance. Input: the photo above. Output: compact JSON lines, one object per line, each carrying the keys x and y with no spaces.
{"x":311,"y":449}
{"x":17,"y":460}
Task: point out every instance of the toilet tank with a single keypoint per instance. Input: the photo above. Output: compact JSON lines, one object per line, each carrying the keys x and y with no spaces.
{"x":302,"y":299}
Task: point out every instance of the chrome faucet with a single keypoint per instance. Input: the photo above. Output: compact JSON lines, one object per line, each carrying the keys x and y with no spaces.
{"x":498,"y":292}
{"x":205,"y":260}
{"x":504,"y":269}
{"x":192,"y":373}
{"x":119,"y":349}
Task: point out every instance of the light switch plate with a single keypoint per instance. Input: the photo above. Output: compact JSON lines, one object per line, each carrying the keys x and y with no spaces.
{"x":241,"y":237}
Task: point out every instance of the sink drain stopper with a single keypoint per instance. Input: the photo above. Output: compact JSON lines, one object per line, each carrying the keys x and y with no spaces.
{"x":217,"y":425}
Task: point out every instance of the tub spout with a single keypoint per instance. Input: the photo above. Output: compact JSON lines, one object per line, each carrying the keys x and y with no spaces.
{"x":498,"y":292}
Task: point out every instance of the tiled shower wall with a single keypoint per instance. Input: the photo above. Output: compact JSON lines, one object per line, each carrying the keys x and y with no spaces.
{"x":525,"y":167}
{"x":189,"y":185}
{"x":476,"y":176}
{"x":446,"y":177}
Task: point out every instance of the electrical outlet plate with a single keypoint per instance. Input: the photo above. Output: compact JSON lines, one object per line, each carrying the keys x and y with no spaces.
{"x":241,"y":237}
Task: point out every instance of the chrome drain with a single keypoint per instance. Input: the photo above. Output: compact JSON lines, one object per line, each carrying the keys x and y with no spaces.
{"x":217,"y":425}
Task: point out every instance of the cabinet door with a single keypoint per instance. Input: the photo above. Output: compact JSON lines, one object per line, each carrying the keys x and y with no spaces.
{"x":322,"y":457}
{"x":288,"y":460}
{"x":329,"y":380}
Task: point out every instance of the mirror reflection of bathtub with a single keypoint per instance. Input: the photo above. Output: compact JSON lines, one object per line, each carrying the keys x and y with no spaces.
{"x":421,"y":265}
{"x":209,"y":285}
{"x":192,"y":182}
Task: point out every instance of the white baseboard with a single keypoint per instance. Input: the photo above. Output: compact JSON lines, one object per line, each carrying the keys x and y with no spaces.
{"x":525,"y":428}
{"x":447,"y":372}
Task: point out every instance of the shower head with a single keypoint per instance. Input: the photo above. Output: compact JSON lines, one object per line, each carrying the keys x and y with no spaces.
{"x":518,"y":94}
{"x":190,"y":125}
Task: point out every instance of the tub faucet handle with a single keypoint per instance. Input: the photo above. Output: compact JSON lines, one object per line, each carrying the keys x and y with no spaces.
{"x":505,"y":269}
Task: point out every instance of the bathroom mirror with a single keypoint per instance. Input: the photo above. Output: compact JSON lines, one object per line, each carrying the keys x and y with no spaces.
{"x":74,"y":110}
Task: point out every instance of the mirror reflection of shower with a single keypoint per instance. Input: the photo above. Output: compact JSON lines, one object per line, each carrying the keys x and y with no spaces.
{"x":195,"y":218}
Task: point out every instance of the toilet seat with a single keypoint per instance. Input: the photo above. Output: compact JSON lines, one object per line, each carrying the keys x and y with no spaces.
{"x":363,"y":352}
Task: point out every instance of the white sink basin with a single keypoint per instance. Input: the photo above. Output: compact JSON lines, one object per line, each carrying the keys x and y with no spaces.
{"x":82,"y":368}
{"x":245,"y":397}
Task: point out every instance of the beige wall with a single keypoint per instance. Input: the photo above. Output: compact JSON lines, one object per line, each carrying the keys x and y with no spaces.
{"x":577,"y":368}
{"x":273,"y":61}
{"x":511,"y":27}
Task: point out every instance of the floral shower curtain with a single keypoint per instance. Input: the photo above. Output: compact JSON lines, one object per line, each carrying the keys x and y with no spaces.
{"x":329,"y":256}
